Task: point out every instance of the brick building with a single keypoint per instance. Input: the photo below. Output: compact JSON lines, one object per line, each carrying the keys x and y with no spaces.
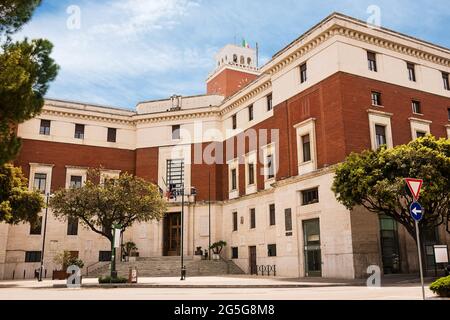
{"x":266,"y":139}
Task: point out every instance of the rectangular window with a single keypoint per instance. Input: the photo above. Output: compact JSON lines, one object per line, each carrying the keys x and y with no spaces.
{"x":45,"y":127}
{"x":269,"y":102}
{"x":35,"y":229}
{"x":288,"y":219}
{"x":271,"y":250}
{"x":72,"y":226}
{"x":252,"y":218}
{"x":235,"y":221}
{"x":79,"y":131}
{"x":411,"y":71}
{"x":270,"y":167}
{"x":76,"y":181}
{"x":416,"y":107}
{"x":376,"y":98}
{"x":372,"y":61}
{"x":448,"y":114}
{"x":310,"y":196}
{"x":112,"y":135}
{"x":272,"y":214}
{"x":176,"y":132}
{"x":234,"y":121}
{"x":445,"y":78}
{"x":420,"y":134}
{"x":251,"y":173}
{"x":306,"y":145}
{"x":32,"y":256}
{"x":104,"y":256}
{"x":174,"y":175}
{"x":40,"y":182}
{"x":303,"y":73}
{"x":234,"y":253}
{"x":380,"y":135}
{"x":250,"y":113}
{"x":233,"y":179}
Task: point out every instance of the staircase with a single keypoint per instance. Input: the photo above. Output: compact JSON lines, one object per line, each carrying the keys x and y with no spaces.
{"x":170,"y":267}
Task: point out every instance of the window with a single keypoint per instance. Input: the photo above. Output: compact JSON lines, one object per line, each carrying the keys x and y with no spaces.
{"x":235,"y":221}
{"x":35,"y":229}
{"x":79,"y":131}
{"x":376,"y":98}
{"x":112,"y":135}
{"x":310,"y":196}
{"x":270,"y":167}
{"x":252,"y":218}
{"x":32,"y":256}
{"x":446,"y":80}
{"x":448,"y":114}
{"x":306,"y":144}
{"x":251,"y":173}
{"x":416,"y":107}
{"x":104,"y":256}
{"x":75,"y":181}
{"x":45,"y":127}
{"x":40,"y":182}
{"x":269,"y":102}
{"x":234,"y":121}
{"x":420,"y":134}
{"x":72,"y":226}
{"x":233,"y":179}
{"x":234,"y":253}
{"x":174,"y":175}
{"x":411,"y":71}
{"x":372,"y":61}
{"x":176,"y":132}
{"x":250,"y":113}
{"x":271,"y":250}
{"x":380,"y":135}
{"x":288,"y":219}
{"x":272,"y":214}
{"x":303,"y":73}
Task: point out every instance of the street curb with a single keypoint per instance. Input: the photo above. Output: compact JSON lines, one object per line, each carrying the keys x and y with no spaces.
{"x":206,"y":286}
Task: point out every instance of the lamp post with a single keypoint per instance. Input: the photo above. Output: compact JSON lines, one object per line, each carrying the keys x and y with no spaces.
{"x":192,"y":193}
{"x":41,"y":269}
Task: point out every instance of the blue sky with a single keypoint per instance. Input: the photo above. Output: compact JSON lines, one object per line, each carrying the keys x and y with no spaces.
{"x":127,"y":51}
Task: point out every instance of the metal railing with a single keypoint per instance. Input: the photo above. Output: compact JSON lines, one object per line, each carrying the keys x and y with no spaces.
{"x":266,"y":270}
{"x":99,"y":264}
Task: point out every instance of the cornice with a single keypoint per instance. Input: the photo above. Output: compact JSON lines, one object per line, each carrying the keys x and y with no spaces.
{"x":175,"y":117}
{"x":74,"y":114}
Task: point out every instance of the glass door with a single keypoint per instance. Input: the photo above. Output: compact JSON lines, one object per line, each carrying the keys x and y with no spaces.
{"x":389,"y":245}
{"x":313,"y":255}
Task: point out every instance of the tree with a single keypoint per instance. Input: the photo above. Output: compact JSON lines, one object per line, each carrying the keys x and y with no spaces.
{"x":100,"y":206}
{"x":376,"y":181}
{"x":26,"y":69}
{"x":17,"y":203}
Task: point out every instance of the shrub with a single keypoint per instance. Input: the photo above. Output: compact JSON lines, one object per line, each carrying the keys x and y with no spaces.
{"x":441,"y":287}
{"x":108,"y":279}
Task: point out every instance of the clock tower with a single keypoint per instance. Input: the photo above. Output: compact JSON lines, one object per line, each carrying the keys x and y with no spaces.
{"x":236,"y":67}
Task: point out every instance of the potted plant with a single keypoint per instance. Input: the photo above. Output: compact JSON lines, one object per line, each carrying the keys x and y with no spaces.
{"x":198,"y":254}
{"x":64,"y":260}
{"x":217,"y":247}
{"x":130,"y":251}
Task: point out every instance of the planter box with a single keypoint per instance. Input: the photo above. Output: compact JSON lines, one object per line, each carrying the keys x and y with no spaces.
{"x":215,"y":256}
{"x":132,"y":259}
{"x":59,"y":275}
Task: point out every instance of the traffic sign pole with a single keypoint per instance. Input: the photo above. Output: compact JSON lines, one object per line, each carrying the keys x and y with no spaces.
{"x":420,"y":258}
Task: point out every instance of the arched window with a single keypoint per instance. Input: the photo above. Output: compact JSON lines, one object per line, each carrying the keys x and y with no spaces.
{"x":242,"y":60}
{"x":249,"y":61}
{"x":235,"y":58}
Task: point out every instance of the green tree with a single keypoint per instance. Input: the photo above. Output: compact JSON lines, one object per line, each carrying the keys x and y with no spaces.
{"x":17,"y":203}
{"x":26,"y":70}
{"x":100,"y":206}
{"x":376,"y":181}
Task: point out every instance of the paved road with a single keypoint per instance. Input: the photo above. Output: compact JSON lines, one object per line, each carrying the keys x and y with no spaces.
{"x":410,"y":292}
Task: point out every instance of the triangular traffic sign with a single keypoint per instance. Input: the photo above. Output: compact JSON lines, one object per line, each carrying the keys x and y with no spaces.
{"x":414,"y":186}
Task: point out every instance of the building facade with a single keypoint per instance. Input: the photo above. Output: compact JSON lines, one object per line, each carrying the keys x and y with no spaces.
{"x":259,"y":148}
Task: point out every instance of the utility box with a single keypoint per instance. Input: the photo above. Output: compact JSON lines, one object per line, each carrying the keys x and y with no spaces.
{"x":133,"y":275}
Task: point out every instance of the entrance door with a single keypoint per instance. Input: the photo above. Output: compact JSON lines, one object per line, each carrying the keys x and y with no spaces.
{"x":313,"y":255}
{"x":389,"y":245}
{"x":172,"y":234}
{"x":252,"y":259}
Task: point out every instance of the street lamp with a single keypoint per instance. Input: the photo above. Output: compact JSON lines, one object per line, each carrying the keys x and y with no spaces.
{"x":41,"y":269}
{"x":192,"y":193}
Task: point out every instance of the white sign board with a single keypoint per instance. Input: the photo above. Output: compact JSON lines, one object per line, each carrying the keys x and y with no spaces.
{"x":117,"y":238}
{"x":441,"y":253}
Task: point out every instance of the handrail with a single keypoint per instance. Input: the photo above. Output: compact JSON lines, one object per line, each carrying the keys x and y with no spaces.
{"x":102,"y":263}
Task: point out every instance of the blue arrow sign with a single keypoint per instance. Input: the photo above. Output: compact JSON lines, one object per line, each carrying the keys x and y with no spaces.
{"x":416,"y":211}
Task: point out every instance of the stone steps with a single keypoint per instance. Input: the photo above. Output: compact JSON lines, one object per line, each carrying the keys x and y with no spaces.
{"x":170,"y":266}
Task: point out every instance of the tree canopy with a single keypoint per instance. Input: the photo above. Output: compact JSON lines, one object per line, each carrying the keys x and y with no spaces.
{"x":15,"y":13}
{"x":100,"y":206}
{"x":376,"y":181}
